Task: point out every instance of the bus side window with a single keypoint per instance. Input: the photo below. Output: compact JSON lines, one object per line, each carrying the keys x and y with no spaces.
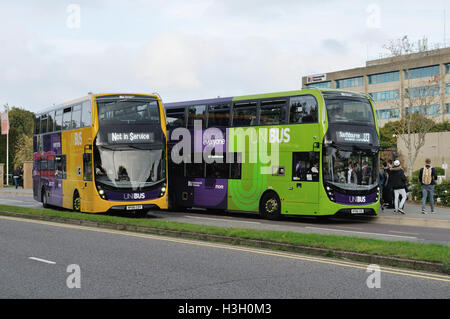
{"x":196,"y":112}
{"x":44,"y":123}
{"x":51,"y":119}
{"x":303,"y":109}
{"x":67,"y":118}
{"x":60,"y":166}
{"x":86,"y":114}
{"x":87,"y":166}
{"x":76,"y":116}
{"x":175,"y":118}
{"x":37,"y":125}
{"x":219,"y":115}
{"x":244,"y":114}
{"x":272,"y":112}
{"x":58,"y":120}
{"x":305,"y":166}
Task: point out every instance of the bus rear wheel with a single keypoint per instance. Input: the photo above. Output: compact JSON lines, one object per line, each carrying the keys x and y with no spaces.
{"x":76,"y":202}
{"x":44,"y":198}
{"x":270,"y":206}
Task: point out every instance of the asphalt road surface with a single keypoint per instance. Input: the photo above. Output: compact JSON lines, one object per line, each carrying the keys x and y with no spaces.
{"x":342,"y":227}
{"x":42,"y":260}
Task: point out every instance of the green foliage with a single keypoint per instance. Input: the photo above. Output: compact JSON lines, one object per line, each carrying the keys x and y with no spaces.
{"x":21,"y":123}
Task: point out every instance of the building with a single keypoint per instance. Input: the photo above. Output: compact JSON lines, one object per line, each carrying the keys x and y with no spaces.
{"x":398,"y":84}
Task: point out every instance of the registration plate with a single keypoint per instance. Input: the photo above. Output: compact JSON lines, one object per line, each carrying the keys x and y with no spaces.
{"x":357,"y":211}
{"x":134,"y":207}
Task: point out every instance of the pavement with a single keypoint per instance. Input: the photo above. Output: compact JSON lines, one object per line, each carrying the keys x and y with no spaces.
{"x":412,"y":216}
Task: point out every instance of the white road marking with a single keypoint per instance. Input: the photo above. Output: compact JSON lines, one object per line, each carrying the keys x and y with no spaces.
{"x":42,"y":260}
{"x":222,"y":220}
{"x":360,"y":232}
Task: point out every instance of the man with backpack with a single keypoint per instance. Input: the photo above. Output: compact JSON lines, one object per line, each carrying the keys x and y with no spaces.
{"x":427,"y":176}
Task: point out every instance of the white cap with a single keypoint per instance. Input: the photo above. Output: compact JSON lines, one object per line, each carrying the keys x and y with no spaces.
{"x":396,"y":163}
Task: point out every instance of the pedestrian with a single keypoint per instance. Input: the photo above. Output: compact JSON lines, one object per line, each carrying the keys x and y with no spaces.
{"x":16,"y":176}
{"x":427,"y":176}
{"x":388,"y":192}
{"x":398,"y":183}
{"x":381,"y":181}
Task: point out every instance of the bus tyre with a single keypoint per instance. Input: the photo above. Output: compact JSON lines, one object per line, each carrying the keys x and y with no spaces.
{"x":270,"y":206}
{"x":44,"y":198}
{"x":76,"y":202}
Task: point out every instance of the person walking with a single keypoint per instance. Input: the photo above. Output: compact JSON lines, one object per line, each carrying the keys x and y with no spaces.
{"x":388,"y":192}
{"x":427,"y":176}
{"x":16,"y":175}
{"x":398,"y":183}
{"x":381,"y":181}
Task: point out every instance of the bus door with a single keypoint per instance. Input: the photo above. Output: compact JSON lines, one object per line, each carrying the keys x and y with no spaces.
{"x":87,"y":188}
{"x":303,"y":187}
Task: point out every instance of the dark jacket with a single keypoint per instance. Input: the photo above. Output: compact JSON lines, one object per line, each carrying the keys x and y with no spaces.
{"x":433,"y":175}
{"x":397,"y":178}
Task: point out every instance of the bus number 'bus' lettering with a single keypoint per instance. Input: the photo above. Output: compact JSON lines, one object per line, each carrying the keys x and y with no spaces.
{"x":78,"y":140}
{"x":279,"y":135}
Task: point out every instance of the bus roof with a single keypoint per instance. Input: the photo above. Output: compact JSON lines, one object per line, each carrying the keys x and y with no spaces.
{"x":87,"y":97}
{"x":263,"y":96}
{"x":197,"y":102}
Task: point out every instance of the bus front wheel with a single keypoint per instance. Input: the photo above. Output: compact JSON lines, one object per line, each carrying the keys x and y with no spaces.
{"x":270,"y":206}
{"x":76,"y":202}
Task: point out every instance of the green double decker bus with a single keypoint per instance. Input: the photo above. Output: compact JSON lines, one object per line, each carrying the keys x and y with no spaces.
{"x":309,"y":152}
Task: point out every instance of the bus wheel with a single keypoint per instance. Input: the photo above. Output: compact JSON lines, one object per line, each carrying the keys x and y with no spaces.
{"x":44,"y":198}
{"x":76,"y":202}
{"x":270,"y":206}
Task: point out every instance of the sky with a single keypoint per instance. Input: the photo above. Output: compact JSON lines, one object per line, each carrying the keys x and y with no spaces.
{"x":53,"y":51}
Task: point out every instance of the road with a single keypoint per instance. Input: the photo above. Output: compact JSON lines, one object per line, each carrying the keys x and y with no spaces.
{"x":35,"y":257}
{"x":343,"y":227}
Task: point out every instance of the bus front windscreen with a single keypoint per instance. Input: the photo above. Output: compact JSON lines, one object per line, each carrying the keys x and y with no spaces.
{"x":127,"y":168}
{"x":128,"y":111}
{"x":349,"y":111}
{"x":350,"y":169}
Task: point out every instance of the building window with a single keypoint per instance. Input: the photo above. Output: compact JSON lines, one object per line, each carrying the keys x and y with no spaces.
{"x":447,"y":108}
{"x":422,"y":91}
{"x":385,"y":95}
{"x":384,"y":77}
{"x":447,"y":88}
{"x":350,"y":83}
{"x":422,"y":72}
{"x":425,"y":110}
{"x":447,"y":68}
{"x":320,"y":85}
{"x":388,"y":114}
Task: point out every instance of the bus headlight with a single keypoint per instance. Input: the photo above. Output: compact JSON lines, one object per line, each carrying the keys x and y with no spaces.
{"x":101,"y":192}
{"x":163,"y":189}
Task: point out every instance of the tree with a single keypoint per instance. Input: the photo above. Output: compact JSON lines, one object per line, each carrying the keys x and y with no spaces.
{"x":21,"y":123}
{"x":418,"y":97}
{"x":23,"y":150}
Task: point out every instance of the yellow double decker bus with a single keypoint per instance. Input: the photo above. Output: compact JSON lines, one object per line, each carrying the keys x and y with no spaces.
{"x":102,"y":152}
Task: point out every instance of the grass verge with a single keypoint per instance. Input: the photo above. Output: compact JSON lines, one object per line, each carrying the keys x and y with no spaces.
{"x":328,"y":245}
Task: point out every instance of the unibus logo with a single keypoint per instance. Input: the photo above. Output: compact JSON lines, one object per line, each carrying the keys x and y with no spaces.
{"x":129,"y":196}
